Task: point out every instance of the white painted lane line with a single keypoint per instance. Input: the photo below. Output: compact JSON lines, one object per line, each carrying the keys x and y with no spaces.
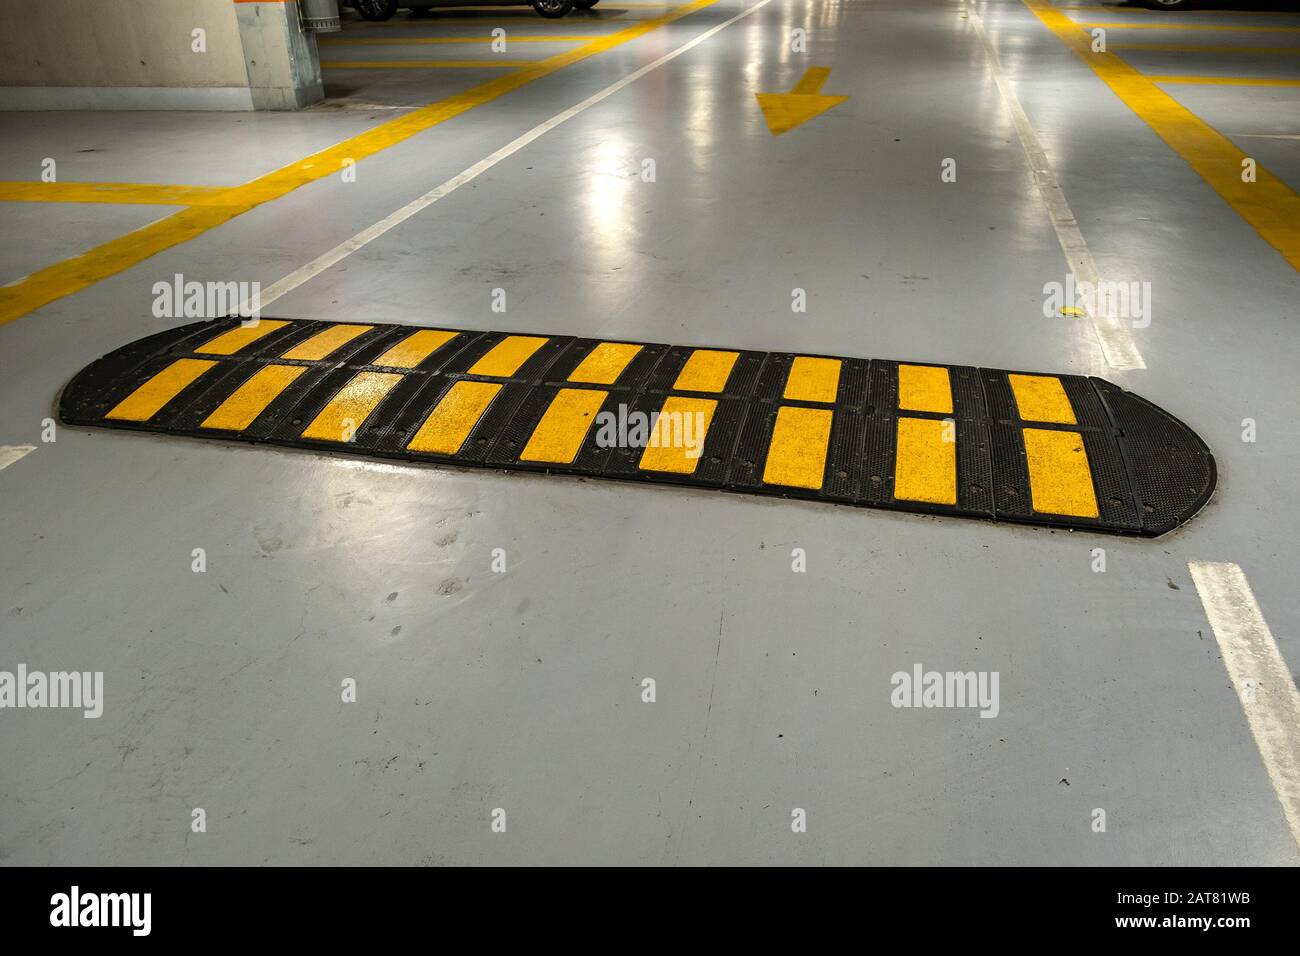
{"x":1260,"y":675}
{"x":12,"y":453}
{"x":1117,"y":344}
{"x":370,"y":234}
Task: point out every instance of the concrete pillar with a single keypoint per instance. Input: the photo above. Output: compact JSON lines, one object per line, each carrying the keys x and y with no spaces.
{"x":281,"y":58}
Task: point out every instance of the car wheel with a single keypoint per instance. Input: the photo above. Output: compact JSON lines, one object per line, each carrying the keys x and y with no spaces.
{"x":375,"y":9}
{"x":584,"y":4}
{"x":553,"y":9}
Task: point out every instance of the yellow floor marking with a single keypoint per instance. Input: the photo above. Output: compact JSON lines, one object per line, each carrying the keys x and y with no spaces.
{"x":228,"y":343}
{"x":680,"y":419}
{"x":559,"y":435}
{"x":1042,"y":398}
{"x":323,"y":343}
{"x":924,"y":388}
{"x":1229,"y":28}
{"x":144,"y":403}
{"x":1173,"y":13}
{"x":455,"y":416}
{"x":1267,"y":204}
{"x":402,"y":41}
{"x":1225,"y":80}
{"x":1060,"y":481}
{"x":925,"y":467}
{"x":813,"y":379}
{"x":707,"y":370}
{"x":425,"y":64}
{"x":249,"y":400}
{"x":120,"y":193}
{"x":1208,"y":48}
{"x":605,"y":363}
{"x":797,"y":455}
{"x":348,"y":410}
{"x":72,"y":275}
{"x":504,"y":358}
{"x":784,"y":111}
{"x":414,"y":349}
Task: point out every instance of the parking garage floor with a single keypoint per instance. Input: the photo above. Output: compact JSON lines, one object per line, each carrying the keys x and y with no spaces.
{"x":437,"y":173}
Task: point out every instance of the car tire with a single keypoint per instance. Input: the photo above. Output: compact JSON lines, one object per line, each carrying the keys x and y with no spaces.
{"x":584,"y":4}
{"x":375,"y":10}
{"x":553,"y":9}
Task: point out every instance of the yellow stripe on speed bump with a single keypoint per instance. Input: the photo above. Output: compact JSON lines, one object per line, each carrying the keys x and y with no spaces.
{"x":414,"y":349}
{"x":797,"y":454}
{"x":559,"y":435}
{"x":924,"y":388}
{"x":1042,"y":398}
{"x":926,"y":463}
{"x":813,"y":379}
{"x":505,"y":358}
{"x":455,"y":416}
{"x":348,"y":410}
{"x":1060,"y":481}
{"x":147,"y":400}
{"x":325,"y":342}
{"x":707,"y":370}
{"x":228,"y":343}
{"x":605,"y":363}
{"x":677,"y":440}
{"x":251,"y":398}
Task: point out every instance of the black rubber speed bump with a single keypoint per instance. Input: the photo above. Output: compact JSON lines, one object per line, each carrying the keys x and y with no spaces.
{"x":1058,"y":450}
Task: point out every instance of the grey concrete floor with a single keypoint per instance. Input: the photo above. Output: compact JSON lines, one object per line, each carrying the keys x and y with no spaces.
{"x":522,"y":690}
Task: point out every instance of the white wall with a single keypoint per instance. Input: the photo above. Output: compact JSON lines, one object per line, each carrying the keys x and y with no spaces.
{"x":138,"y":54}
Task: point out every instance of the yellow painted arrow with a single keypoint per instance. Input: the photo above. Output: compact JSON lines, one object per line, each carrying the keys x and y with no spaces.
{"x":785,"y":111}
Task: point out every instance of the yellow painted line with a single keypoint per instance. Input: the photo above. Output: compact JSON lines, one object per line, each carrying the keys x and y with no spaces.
{"x":666,"y":454}
{"x":605,"y":363}
{"x":504,"y":358}
{"x":323,"y":343}
{"x":796,"y":457}
{"x":1224,"y":27}
{"x":1270,"y":206}
{"x":145,"y":402}
{"x":1060,"y":481}
{"x":1093,"y":8}
{"x":414,"y":349}
{"x":455,"y":416}
{"x":249,"y":400}
{"x":403,"y":41}
{"x":72,"y":275}
{"x":559,"y":435}
{"x":120,"y":193}
{"x":707,"y":370}
{"x":924,"y":388}
{"x":1225,"y":80}
{"x":228,"y":343}
{"x":1207,"y":48}
{"x":925,"y":466}
{"x":1042,"y":398}
{"x":424,"y":64}
{"x":348,"y":410}
{"x":813,"y":380}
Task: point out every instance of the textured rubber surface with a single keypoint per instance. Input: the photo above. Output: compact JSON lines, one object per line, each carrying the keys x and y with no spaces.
{"x":499,"y":400}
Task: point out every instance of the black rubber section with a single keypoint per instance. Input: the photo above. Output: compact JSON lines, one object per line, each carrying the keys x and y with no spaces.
{"x":1150,"y":472}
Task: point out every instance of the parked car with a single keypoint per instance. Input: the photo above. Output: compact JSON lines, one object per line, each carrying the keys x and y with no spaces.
{"x":384,"y":9}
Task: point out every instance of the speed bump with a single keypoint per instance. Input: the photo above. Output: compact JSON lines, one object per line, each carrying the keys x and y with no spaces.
{"x":1058,"y":450}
